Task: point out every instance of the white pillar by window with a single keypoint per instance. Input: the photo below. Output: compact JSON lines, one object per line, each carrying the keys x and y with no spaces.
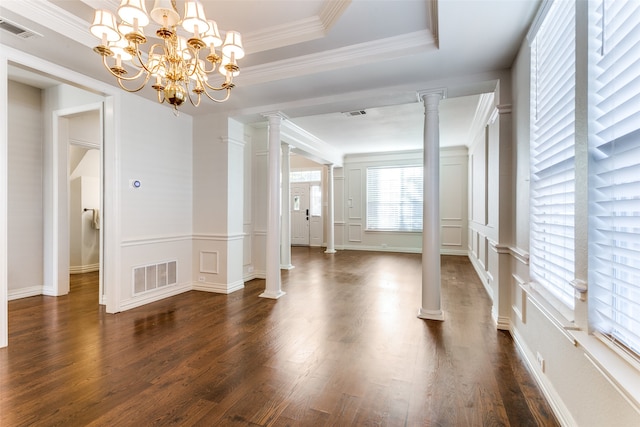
{"x":273,"y":284}
{"x":330,"y":214}
{"x":285,"y":237}
{"x":431,"y":308}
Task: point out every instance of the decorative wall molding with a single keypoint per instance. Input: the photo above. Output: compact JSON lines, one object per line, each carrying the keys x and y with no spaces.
{"x":355,"y":232}
{"x":209,"y":261}
{"x":155,"y":240}
{"x":219,"y":237}
{"x":358,"y":54}
{"x":232,"y":141}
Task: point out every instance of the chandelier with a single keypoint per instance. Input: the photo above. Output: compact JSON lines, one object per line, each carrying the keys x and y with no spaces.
{"x":178,"y":65}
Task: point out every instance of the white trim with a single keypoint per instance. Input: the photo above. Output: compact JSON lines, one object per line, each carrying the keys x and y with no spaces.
{"x":154,"y":240}
{"x":558,"y":407}
{"x":219,"y":288}
{"x":79,"y":269}
{"x":31,"y":291}
{"x":621,"y":374}
{"x":357,"y":54}
{"x":538,"y":20}
{"x":157,"y":294}
{"x":4,"y":154}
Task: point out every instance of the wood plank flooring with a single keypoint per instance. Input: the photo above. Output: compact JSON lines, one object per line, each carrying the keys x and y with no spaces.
{"x":343,"y":347}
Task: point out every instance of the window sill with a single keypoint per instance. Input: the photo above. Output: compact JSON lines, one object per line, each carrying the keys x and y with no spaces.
{"x":623,"y":375}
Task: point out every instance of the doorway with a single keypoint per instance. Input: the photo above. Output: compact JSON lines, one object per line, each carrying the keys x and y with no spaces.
{"x":300,"y":214}
{"x":84,"y":136}
{"x":306,"y":214}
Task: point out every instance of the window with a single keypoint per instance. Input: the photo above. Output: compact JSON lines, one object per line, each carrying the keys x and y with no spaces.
{"x":552,"y":152}
{"x":394,"y":198}
{"x":316,"y":200}
{"x":305,"y":176}
{"x":614,"y":171}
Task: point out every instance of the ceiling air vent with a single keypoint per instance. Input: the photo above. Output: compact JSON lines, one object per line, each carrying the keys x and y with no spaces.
{"x":17,"y":30}
{"x":355,"y":113}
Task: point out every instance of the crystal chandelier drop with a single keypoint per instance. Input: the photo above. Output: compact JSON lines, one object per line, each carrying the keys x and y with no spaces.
{"x":175,"y":63}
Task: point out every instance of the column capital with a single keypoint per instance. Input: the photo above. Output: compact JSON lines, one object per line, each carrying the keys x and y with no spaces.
{"x":274,"y":114}
{"x":422,"y":94}
{"x":232,"y":141}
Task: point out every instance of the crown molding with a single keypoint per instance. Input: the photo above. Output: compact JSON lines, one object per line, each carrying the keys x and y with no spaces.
{"x":303,"y":30}
{"x":284,"y":35}
{"x":54,"y":18}
{"x":358,"y":54}
{"x":331,"y":11}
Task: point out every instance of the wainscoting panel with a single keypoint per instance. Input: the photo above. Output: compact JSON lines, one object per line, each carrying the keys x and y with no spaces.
{"x":355,"y":232}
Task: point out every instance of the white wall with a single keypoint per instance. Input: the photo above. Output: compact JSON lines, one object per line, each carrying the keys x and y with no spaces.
{"x":156,"y":218}
{"x":579,"y":376}
{"x":350,"y":184}
{"x":25,"y":191}
{"x":218,"y":218}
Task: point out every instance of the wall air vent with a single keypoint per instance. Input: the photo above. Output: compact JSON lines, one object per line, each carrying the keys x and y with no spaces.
{"x":17,"y":30}
{"x":355,"y":113}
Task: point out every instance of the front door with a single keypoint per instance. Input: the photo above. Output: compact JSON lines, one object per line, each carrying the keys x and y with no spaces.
{"x":300,"y":214}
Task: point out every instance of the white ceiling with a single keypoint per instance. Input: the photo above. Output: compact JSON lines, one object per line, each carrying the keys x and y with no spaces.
{"x":313,"y":60}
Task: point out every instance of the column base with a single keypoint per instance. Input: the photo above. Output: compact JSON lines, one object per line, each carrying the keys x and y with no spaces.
{"x":330,"y":251}
{"x":431,"y":314}
{"x":271,"y":294}
{"x":287,"y":267}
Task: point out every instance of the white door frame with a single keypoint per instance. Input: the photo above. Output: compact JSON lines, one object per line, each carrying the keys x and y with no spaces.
{"x":110,"y":244}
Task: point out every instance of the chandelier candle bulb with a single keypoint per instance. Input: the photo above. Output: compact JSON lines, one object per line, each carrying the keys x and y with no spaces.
{"x":176,"y":63}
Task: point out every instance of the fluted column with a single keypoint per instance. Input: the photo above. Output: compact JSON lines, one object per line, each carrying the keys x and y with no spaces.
{"x":330,"y":214}
{"x":431,"y":300}
{"x":285,"y":236}
{"x":273,"y":285}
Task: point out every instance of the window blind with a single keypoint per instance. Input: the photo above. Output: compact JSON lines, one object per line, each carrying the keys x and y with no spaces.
{"x":614,"y":172}
{"x":394,"y":198}
{"x":552,"y":152}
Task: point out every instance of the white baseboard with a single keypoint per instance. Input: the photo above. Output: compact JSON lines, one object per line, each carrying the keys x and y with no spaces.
{"x":31,"y":291}
{"x":482,"y":274}
{"x":79,"y":269}
{"x":557,"y":405}
{"x":156,"y":295}
{"x":220,"y":288}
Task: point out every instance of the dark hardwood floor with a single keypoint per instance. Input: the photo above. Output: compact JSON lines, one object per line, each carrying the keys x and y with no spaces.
{"x":343,"y":347}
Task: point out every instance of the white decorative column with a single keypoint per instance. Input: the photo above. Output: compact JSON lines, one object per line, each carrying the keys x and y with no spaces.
{"x":330,"y":214}
{"x":285,"y":236}
{"x":272,"y":287}
{"x":431,"y":308}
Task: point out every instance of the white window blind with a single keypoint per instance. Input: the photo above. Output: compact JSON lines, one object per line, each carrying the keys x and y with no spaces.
{"x":614,"y":172}
{"x":552,"y":152}
{"x":394,"y":198}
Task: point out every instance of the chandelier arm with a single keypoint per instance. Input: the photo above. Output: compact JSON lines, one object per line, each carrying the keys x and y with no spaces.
{"x":219,"y":100}
{"x":119,"y":76}
{"x":195,"y":104}
{"x":141,"y":64}
{"x":146,"y":80}
{"x":216,"y":88}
